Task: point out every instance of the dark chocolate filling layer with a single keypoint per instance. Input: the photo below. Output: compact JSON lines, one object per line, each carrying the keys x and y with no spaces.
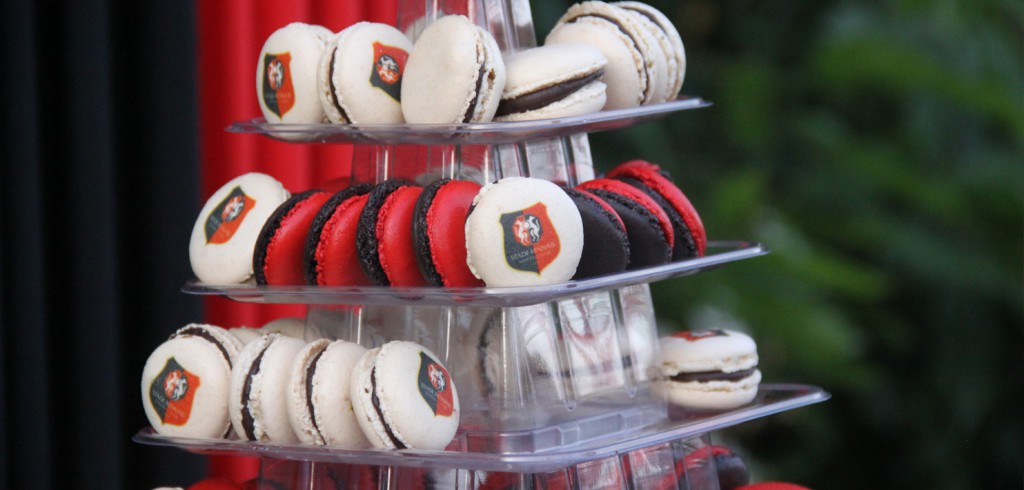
{"x":334,"y":92}
{"x":705,"y":376}
{"x":310,"y":371}
{"x":636,"y":44}
{"x":317,"y":227}
{"x":203,"y":334}
{"x":421,"y":237}
{"x":248,"y":422}
{"x":546,"y":96}
{"x":380,"y":415}
{"x":259,"y":256}
{"x":479,"y":83}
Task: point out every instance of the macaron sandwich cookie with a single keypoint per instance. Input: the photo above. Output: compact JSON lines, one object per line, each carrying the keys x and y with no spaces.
{"x":558,"y":80}
{"x":605,"y":242}
{"x":319,"y":396}
{"x":286,"y":74}
{"x":384,"y":235}
{"x":279,"y":250}
{"x":664,"y":31}
{"x":360,"y":74}
{"x":647,"y":225}
{"x":455,"y":74}
{"x":523,"y":232}
{"x":439,"y":232}
{"x":185,"y":382}
{"x":706,"y":370}
{"x":404,"y":398}
{"x":331,"y":256}
{"x":224,"y":236}
{"x":257,"y":400}
{"x":690,"y":237}
{"x":636,"y":72}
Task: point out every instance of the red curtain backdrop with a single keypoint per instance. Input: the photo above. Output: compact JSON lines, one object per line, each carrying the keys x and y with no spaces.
{"x":230,"y":37}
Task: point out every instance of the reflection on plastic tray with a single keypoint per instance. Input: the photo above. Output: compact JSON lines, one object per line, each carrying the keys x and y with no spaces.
{"x":771,"y":399}
{"x":718,"y":253}
{"x":465,"y":134}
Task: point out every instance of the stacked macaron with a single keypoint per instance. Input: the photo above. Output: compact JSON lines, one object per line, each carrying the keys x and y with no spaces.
{"x":204,"y":382}
{"x":598,"y":56}
{"x":708,"y":370}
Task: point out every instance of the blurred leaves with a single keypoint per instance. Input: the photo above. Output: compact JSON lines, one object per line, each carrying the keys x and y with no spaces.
{"x":878,"y":149}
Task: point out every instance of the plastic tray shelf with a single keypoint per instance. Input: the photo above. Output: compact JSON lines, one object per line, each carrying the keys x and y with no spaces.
{"x":492,"y":133}
{"x":771,"y":399}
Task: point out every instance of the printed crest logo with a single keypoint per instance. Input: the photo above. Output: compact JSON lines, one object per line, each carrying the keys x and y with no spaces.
{"x":225,"y":219}
{"x":278,"y":91}
{"x":388,"y":66}
{"x":435,"y":386}
{"x":695,"y":335}
{"x":172,"y":392}
{"x":531,"y":241}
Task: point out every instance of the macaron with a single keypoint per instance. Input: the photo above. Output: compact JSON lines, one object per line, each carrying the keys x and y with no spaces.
{"x":558,"y":80}
{"x":280,"y":249}
{"x":690,"y":236}
{"x":404,"y":397}
{"x":675,"y":50}
{"x":706,"y":370}
{"x":224,"y":236}
{"x":605,"y":242}
{"x":523,"y":231}
{"x":439,"y":232}
{"x":635,"y":72}
{"x":455,"y":74}
{"x":384,"y":236}
{"x":647,"y":225}
{"x":289,"y":326}
{"x":257,"y":400}
{"x":360,"y":74}
{"x":245,"y":334}
{"x":185,"y":382}
{"x":286,"y":74}
{"x":331,"y":257}
{"x":319,"y":396}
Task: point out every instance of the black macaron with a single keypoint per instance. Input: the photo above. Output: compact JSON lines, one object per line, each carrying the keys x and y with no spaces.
{"x":647,"y":226}
{"x":605,"y":241}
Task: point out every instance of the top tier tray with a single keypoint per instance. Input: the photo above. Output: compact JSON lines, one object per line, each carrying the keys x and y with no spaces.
{"x":492,"y":133}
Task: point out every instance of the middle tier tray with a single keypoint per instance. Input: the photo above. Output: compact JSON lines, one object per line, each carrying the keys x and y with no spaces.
{"x":718,"y":253}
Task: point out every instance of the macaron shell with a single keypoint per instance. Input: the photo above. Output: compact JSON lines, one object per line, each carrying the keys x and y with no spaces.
{"x":279,"y":251}
{"x":587,"y":100}
{"x":332,"y":258}
{"x":362,"y":391}
{"x":360,"y":74}
{"x":605,"y":242}
{"x":221,"y":338}
{"x":522,"y":232}
{"x":258,"y":394}
{"x":331,"y":396}
{"x":707,"y":350}
{"x":293,"y":327}
{"x":185,"y":386}
{"x":286,"y":74}
{"x":454,"y":69}
{"x":709,"y":395}
{"x":439,"y":230}
{"x":624,"y":75}
{"x":224,"y":236}
{"x":299,"y":410}
{"x":536,"y":68}
{"x":648,"y":227}
{"x":677,"y":52}
{"x":394,"y":238}
{"x":654,"y":179}
{"x":660,"y":63}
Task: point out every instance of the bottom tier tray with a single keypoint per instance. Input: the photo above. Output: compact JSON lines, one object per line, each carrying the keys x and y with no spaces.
{"x":771,"y":399}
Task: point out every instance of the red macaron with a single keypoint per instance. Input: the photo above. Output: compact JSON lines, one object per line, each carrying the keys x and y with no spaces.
{"x":384,"y":238}
{"x":648,"y":226}
{"x":331,"y":256}
{"x":730,"y":469}
{"x":279,"y":253}
{"x":439,"y":232}
{"x":690,"y":237}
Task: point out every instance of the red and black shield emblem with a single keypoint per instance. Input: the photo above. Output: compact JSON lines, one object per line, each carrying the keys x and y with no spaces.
{"x":531,"y":241}
{"x":278,"y":91}
{"x":225,"y":219}
{"x":171,"y":393}
{"x":388,"y":66}
{"x":436,"y":386}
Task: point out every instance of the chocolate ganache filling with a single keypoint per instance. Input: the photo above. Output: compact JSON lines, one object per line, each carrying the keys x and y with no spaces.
{"x":705,"y":376}
{"x":310,"y":371}
{"x":248,"y":422}
{"x":546,"y":96}
{"x":479,"y":83}
{"x":334,"y":91}
{"x":380,"y":414}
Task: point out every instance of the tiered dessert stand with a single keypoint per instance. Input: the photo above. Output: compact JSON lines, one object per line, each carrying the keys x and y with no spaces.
{"x":554,"y":381}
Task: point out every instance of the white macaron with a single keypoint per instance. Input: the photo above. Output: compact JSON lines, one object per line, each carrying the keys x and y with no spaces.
{"x":558,"y":80}
{"x":708,"y":369}
{"x":319,"y":396}
{"x":258,"y":403}
{"x":286,"y":74}
{"x":675,"y":50}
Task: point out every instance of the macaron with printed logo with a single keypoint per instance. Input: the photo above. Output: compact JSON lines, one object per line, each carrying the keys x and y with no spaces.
{"x":404,"y":398}
{"x":360,"y":74}
{"x":286,"y":74}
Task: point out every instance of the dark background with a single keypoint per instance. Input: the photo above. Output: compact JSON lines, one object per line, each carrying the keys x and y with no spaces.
{"x":875,"y":147}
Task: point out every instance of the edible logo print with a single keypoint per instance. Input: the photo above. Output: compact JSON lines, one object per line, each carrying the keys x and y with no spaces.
{"x":695,"y":335}
{"x":531,"y":242}
{"x":278,"y":92}
{"x":388,"y":65}
{"x":225,"y":219}
{"x":435,"y":386}
{"x":171,"y":393}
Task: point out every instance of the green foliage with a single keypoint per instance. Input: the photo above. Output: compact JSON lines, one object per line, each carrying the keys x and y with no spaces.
{"x":878,"y":149}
